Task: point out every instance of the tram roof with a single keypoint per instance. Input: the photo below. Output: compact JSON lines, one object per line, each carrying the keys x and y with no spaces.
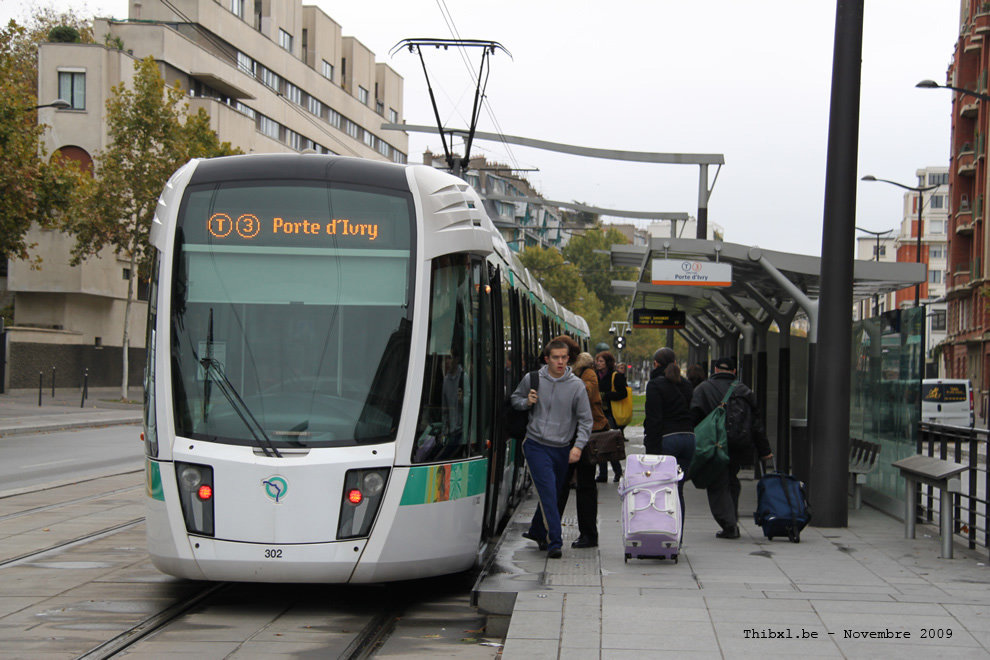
{"x":870,"y":278}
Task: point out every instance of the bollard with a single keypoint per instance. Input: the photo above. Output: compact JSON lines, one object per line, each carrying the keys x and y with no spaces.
{"x":41,"y":383}
{"x":53,"y":382}
{"x":85,"y":387}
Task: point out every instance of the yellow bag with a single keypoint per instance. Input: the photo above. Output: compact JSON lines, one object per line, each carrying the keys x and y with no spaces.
{"x":622,"y":409}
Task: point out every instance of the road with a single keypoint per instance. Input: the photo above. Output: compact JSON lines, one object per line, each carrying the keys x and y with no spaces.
{"x":40,"y":458}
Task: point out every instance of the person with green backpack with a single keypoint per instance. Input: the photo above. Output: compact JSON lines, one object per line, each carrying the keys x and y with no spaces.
{"x":742,"y":428}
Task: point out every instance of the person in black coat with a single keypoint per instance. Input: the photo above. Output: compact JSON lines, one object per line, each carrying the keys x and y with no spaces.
{"x":723,"y":493}
{"x":668,"y":428}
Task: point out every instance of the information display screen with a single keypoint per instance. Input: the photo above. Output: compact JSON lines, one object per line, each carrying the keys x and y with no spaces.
{"x":658,"y":318}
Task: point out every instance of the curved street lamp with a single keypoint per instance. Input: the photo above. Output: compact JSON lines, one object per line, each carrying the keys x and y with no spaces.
{"x":876,"y":257}
{"x":919,"y":190}
{"x":58,"y":104}
{"x":931,"y":84}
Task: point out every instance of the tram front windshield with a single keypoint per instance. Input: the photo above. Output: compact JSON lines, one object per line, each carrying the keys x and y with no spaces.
{"x":290,"y":313}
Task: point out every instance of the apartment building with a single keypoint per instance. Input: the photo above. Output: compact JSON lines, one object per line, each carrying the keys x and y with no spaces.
{"x":967,"y":351}
{"x":274,"y":77}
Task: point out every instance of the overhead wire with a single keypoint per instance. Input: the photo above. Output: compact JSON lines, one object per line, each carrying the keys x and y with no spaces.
{"x":449,"y":20}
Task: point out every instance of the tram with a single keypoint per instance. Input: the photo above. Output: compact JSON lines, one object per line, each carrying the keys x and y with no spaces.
{"x":330,"y":343}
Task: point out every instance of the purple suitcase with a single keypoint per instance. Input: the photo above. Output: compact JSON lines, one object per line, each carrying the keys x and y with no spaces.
{"x":651,"y":509}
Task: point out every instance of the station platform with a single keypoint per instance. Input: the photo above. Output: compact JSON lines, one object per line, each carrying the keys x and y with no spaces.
{"x":863,"y":591}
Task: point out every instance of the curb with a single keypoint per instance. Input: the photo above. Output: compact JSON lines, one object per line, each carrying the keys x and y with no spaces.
{"x":65,"y":426}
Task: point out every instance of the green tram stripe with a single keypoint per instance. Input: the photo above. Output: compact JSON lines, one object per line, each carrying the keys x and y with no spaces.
{"x":153,"y":480}
{"x":439,"y":483}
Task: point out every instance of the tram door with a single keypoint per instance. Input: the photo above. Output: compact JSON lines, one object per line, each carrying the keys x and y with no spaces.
{"x":493,"y":434}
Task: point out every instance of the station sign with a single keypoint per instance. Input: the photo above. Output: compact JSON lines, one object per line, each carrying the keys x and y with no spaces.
{"x":658,"y":318}
{"x":684,"y":272}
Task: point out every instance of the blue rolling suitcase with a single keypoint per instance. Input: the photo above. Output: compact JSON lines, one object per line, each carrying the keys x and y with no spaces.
{"x":781,"y":506}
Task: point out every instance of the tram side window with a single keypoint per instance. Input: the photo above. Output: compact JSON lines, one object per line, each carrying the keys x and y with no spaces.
{"x":447,"y":426}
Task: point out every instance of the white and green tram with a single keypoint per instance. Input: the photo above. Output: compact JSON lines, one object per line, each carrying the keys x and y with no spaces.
{"x":330,"y":342}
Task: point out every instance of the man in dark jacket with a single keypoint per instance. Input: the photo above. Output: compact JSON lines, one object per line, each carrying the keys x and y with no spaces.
{"x":744,"y":427}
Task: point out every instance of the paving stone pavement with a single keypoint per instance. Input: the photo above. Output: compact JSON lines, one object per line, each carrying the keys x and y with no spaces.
{"x":863,"y":591}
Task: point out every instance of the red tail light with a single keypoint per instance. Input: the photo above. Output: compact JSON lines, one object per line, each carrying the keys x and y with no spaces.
{"x":205,"y":492}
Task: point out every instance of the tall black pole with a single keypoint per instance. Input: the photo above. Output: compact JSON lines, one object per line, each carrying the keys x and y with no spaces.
{"x":917,"y":287}
{"x":830,"y":433}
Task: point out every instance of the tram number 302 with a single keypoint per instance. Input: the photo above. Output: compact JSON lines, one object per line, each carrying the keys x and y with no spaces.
{"x":273,"y":553}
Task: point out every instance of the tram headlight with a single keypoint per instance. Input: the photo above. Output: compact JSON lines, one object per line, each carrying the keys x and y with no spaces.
{"x":360,"y":499}
{"x":196,"y":496}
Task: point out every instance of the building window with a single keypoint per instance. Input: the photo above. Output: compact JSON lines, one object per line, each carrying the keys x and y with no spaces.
{"x":271,"y":79}
{"x":393,"y":116}
{"x":285,"y":40}
{"x":352,"y":129}
{"x":938,"y":320}
{"x":293,"y":93}
{"x":237,"y":8}
{"x":333,"y":118}
{"x":269,"y":127}
{"x":936,"y":179}
{"x":362,"y":95}
{"x":369,"y":139}
{"x":245,"y":63}
{"x":936,"y":252}
{"x":295,"y":140}
{"x":380,"y":108}
{"x":72,"y":88}
{"x":882,"y":250}
{"x":315,"y":107}
{"x":327,"y":70}
{"x":243,"y":109}
{"x":936,"y":226}
{"x":935,"y":276}
{"x":938,"y":201}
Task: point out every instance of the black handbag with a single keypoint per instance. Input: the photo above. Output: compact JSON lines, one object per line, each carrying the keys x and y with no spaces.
{"x":605,"y":446}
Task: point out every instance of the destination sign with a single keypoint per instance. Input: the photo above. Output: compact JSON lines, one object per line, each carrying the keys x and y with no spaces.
{"x":684,"y":272}
{"x":658,"y":318}
{"x":248,"y":226}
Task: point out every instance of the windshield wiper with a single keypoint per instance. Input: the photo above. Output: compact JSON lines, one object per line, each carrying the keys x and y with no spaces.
{"x":237,"y":403}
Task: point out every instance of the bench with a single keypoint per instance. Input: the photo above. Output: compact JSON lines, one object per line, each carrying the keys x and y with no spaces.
{"x":862,"y":460}
{"x":936,"y":473}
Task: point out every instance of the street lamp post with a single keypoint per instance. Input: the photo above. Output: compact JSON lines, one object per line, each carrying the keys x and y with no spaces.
{"x":878,"y":234}
{"x":931,"y":84}
{"x":58,"y":104}
{"x":920,"y":190}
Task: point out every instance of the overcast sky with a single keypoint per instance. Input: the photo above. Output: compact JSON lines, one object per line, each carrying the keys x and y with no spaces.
{"x":750,"y":80}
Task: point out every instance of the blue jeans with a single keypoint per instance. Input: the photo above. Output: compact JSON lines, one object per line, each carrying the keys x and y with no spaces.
{"x":548,"y":468}
{"x":681,"y":447}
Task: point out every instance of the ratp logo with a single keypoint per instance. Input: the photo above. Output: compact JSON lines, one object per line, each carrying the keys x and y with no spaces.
{"x":276,"y":488}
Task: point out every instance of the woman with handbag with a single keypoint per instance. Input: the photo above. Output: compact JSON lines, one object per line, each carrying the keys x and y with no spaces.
{"x":612,"y":386}
{"x":587,"y":489}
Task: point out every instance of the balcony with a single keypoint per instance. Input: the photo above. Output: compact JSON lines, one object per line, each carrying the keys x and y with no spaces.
{"x":970,"y":110}
{"x":981,"y":21}
{"x":964,"y":225}
{"x":966,"y":165}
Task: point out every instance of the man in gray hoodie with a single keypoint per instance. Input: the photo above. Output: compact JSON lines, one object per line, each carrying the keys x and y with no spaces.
{"x":559,"y":426}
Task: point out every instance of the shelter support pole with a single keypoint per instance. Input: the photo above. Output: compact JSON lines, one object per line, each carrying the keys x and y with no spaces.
{"x":705,"y":333}
{"x":748,"y":334}
{"x":830,"y":433}
{"x":783,"y":318}
{"x":728,"y":344}
{"x":703,"y":202}
{"x":761,"y":327}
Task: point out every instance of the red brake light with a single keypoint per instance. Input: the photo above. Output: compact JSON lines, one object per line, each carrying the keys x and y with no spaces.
{"x":354,"y":496}
{"x":205,"y":492}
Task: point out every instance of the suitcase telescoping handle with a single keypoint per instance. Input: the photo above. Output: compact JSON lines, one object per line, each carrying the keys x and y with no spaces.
{"x":773,"y":464}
